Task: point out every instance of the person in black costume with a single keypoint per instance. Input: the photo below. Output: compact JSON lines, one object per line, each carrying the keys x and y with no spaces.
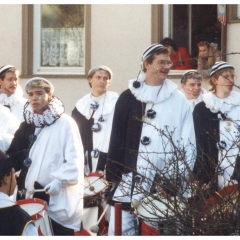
{"x":14,"y":221}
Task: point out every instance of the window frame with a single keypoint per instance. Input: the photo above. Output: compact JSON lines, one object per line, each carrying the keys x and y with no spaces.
{"x":28,"y":46}
{"x":160,"y":17}
{"x":232,"y":12}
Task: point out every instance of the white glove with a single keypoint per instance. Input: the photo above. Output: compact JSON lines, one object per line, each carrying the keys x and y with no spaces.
{"x":53,"y":188}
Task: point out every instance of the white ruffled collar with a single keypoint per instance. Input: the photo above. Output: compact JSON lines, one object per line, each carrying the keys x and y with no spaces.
{"x":106,"y":104}
{"x":13,"y":99}
{"x":50,"y":115}
{"x":224,"y":105}
{"x":195,"y":101}
{"x":149,"y":94}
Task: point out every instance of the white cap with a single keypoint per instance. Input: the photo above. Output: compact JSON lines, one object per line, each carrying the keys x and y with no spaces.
{"x":41,"y":79}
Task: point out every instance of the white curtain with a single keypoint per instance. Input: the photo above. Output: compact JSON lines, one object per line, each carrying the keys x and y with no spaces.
{"x":63,"y":47}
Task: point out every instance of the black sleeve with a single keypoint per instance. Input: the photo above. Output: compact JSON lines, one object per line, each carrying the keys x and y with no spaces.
{"x":20,"y":144}
{"x":197,"y":125}
{"x":115,"y":157}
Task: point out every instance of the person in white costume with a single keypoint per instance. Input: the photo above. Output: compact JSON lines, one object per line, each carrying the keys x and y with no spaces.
{"x":14,"y":221}
{"x":55,"y":158}
{"x":11,"y":93}
{"x":217,"y":130}
{"x":138,"y":151}
{"x":191,"y":86}
{"x":8,"y":126}
{"x":218,"y":161}
{"x":93,"y":114}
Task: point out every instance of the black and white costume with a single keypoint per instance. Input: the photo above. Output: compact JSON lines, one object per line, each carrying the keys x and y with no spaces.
{"x":15,"y":102}
{"x":55,"y":154}
{"x":94,"y":116}
{"x":217,"y":127}
{"x":8,"y":126}
{"x":140,"y":149}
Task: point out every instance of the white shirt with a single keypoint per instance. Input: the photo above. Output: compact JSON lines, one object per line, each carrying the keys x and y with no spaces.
{"x":8,"y":126}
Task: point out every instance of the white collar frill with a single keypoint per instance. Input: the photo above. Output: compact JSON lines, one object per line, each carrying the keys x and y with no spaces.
{"x":13,"y":99}
{"x":194,"y":102}
{"x":153,"y":94}
{"x":224,"y":105}
{"x":50,"y":115}
{"x":106,"y":105}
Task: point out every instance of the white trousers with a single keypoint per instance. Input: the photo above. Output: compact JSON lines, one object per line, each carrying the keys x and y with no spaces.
{"x":129,"y":223}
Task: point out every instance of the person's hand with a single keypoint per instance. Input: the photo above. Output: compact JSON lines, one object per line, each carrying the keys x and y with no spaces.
{"x":53,"y":188}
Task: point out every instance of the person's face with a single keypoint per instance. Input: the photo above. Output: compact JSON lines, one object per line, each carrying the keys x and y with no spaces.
{"x":100,"y":82}
{"x":192,"y":88}
{"x":39,"y":99}
{"x":170,"y":49}
{"x":224,"y":83}
{"x":9,"y":83}
{"x":159,"y":67}
{"x":203,"y":51}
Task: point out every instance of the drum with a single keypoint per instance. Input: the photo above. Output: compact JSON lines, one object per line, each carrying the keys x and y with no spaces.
{"x":94,"y":185}
{"x":151,"y":209}
{"x":158,"y":215}
{"x":37,"y":209}
{"x":224,"y":201}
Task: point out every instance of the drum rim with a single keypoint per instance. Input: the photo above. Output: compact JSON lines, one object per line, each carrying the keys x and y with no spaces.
{"x":225,"y":191}
{"x":36,"y":215}
{"x":99,"y":177}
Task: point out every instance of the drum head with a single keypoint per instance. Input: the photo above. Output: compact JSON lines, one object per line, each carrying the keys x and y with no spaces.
{"x":32,"y":206}
{"x":152,"y":209}
{"x":93,"y":185}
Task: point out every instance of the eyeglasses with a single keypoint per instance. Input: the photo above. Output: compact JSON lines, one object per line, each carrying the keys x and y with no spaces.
{"x":228,"y":77}
{"x":189,"y":74}
{"x":165,"y":62}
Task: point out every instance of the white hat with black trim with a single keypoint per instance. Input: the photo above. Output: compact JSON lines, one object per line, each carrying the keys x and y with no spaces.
{"x":219,"y":66}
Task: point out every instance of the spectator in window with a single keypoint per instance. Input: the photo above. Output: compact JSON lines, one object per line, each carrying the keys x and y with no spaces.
{"x":207,"y":56}
{"x":180,"y":56}
{"x":11,"y":94}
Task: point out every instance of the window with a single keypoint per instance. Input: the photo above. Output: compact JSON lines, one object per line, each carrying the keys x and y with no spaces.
{"x":56,"y":40}
{"x":233,"y":13}
{"x":188,"y":25}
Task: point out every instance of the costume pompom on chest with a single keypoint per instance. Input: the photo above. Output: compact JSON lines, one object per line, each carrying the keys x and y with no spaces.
{"x":96,"y":127}
{"x":145,"y":140}
{"x":151,"y":114}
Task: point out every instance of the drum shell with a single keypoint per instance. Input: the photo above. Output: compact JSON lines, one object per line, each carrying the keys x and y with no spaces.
{"x":99,"y":184}
{"x":37,"y":209}
{"x":92,"y":201}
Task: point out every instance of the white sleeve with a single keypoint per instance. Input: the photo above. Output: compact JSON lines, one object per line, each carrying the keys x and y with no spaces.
{"x":30,"y":230}
{"x":8,"y":126}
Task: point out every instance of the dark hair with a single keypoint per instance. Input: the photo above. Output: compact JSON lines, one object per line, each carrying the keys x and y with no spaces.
{"x":169,"y":42}
{"x":150,"y":59}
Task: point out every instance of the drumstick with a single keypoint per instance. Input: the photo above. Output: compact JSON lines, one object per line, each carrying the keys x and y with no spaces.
{"x":95,"y":228}
{"x":32,"y":191}
{"x":218,"y":194}
{"x":90,"y":183}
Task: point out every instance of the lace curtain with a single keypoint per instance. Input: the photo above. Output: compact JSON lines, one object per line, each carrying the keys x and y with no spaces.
{"x":63,"y":47}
